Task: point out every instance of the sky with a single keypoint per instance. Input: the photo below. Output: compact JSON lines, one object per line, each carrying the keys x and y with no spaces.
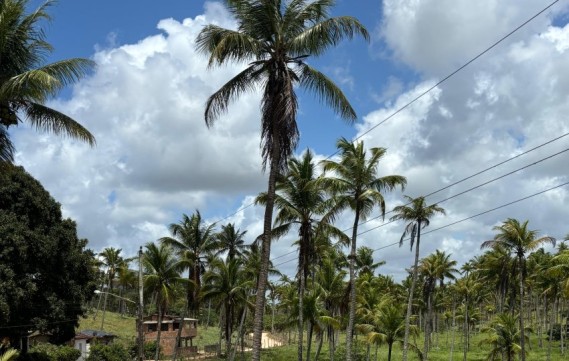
{"x":155,"y":159}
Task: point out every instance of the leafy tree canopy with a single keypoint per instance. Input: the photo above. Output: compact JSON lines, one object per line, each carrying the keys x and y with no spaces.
{"x":45,"y":271}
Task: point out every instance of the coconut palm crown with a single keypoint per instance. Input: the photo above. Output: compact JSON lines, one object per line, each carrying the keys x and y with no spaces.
{"x":275,"y":38}
{"x":27,"y":82}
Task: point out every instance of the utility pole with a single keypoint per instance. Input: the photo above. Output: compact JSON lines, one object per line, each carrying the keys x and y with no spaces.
{"x":140,"y":308}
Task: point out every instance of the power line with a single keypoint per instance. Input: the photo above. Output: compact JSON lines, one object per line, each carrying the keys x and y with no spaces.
{"x":462,"y":220}
{"x":456,"y":71}
{"x":428,"y":90}
{"x":472,"y":188}
{"x":463,"y":180}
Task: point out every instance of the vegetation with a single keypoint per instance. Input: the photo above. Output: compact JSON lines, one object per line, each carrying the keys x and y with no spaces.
{"x":275,"y":38}
{"x":46,"y":274}
{"x":509,"y":302}
{"x":27,"y":82}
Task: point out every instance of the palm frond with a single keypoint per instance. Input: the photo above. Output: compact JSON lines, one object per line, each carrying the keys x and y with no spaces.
{"x":325,"y":89}
{"x":241,"y":83}
{"x":44,"y":118}
{"x":325,"y":34}
{"x":226,"y":45}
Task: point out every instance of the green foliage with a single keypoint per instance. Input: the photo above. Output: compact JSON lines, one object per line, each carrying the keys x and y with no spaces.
{"x":45,"y":271}
{"x":112,"y":352}
{"x":50,"y":352}
{"x":149,"y":350}
{"x":27,"y":82}
{"x":358,"y":352}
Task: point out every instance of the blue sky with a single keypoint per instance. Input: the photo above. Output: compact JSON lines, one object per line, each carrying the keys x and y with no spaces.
{"x":155,"y":159}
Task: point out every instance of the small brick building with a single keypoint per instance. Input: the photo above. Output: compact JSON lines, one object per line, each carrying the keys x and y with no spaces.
{"x":170,"y":327}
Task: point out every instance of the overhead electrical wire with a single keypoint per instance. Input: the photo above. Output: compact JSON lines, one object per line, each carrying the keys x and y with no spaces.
{"x":461,"y":220}
{"x":465,"y":179}
{"x":428,"y":90}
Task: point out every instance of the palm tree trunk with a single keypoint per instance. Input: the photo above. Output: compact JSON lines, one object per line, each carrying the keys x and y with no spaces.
{"x":453,"y":329}
{"x":427,"y":328}
{"x":551,"y":323}
{"x":331,"y":333}
{"x":300,"y":307}
{"x":466,"y":330}
{"x":522,"y":331}
{"x":309,"y":341}
{"x":227,"y":330}
{"x":319,"y":348}
{"x":179,"y":334}
{"x":389,"y":348}
{"x":411,"y":291}
{"x":159,"y":331}
{"x":352,"y":311}
{"x":240,"y":332}
{"x":265,"y":252}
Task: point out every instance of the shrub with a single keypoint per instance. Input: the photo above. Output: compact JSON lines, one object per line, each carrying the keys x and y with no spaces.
{"x":149,"y":350}
{"x":112,"y":352}
{"x":49,"y":352}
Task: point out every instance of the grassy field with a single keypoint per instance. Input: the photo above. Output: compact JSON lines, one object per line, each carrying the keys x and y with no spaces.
{"x":125,"y":329}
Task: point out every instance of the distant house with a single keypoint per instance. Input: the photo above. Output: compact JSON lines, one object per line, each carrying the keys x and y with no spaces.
{"x":169,"y":333}
{"x":84,"y":339}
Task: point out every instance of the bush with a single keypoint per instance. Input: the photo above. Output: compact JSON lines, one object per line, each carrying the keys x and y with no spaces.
{"x":49,"y":352}
{"x":112,"y":352}
{"x":149,"y":350}
{"x":358,"y":348}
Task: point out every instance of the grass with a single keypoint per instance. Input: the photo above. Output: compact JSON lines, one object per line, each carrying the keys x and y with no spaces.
{"x":125,"y":329}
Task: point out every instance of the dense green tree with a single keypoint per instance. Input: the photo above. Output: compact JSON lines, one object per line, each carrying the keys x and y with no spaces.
{"x":419,"y":215}
{"x":518,"y":239}
{"x":193,"y":241}
{"x":46,"y":275}
{"x":26,"y":81}
{"x":356,"y":186}
{"x":276,"y":37}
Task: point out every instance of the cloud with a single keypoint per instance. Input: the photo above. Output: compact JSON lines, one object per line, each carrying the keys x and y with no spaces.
{"x":507,"y":102}
{"x":154,"y":158}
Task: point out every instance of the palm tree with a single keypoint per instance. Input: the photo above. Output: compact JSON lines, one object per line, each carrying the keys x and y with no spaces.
{"x":230,"y":240}
{"x":504,"y":337}
{"x":356,"y":186}
{"x":518,"y":239}
{"x":389,"y":326}
{"x":192,"y":240}
{"x":418,"y":214}
{"x":276,"y":37}
{"x":225,"y":283}
{"x":435,"y":268}
{"x":364,"y":261}
{"x":161,"y":277}
{"x":302,"y":202}
{"x":113,"y":261}
{"x":26,"y":81}
{"x":331,"y":282}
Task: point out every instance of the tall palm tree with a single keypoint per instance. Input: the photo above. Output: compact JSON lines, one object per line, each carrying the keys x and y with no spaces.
{"x":518,"y":239}
{"x":230,"y":240}
{"x":418,"y":214}
{"x":302,"y":202}
{"x":27,"y":82}
{"x":356,"y":186}
{"x":192,"y":240}
{"x":161,"y":277}
{"x":276,"y":37}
